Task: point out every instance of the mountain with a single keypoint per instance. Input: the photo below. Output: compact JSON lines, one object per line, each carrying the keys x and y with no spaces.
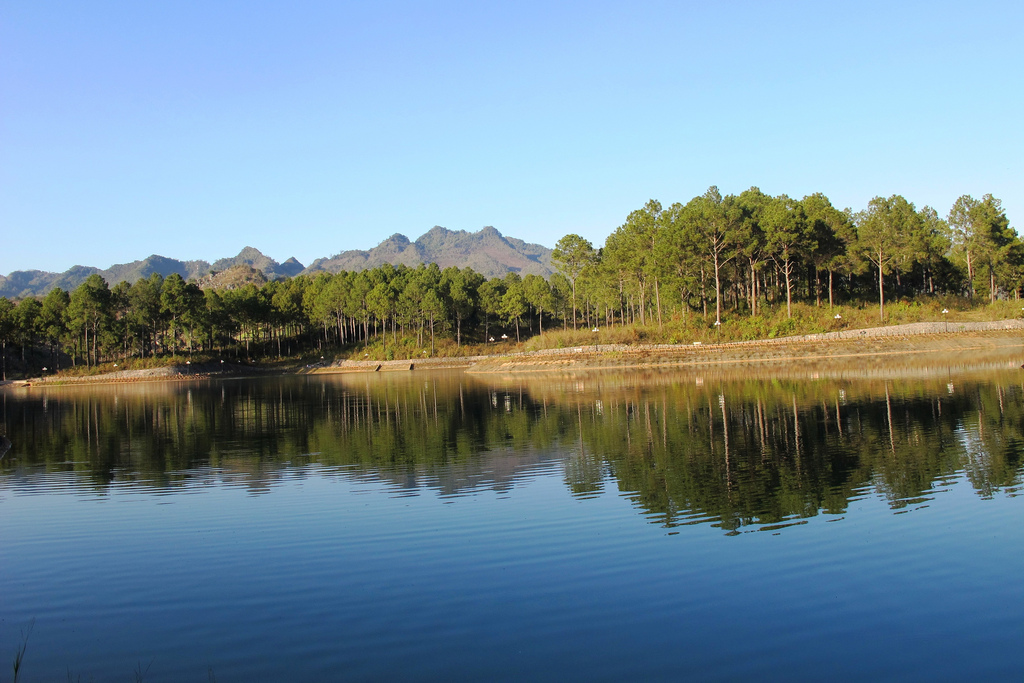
{"x":487,"y":251}
{"x":23,"y":283}
{"x":254,"y":258}
{"x":233,"y":277}
{"x":136,"y":270}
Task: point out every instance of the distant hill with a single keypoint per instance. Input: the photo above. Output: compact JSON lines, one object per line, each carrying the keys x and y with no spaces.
{"x":23,"y":283}
{"x":254,"y":258}
{"x":136,"y":270}
{"x":487,"y":252}
{"x":234,"y":277}
{"x":36,"y":282}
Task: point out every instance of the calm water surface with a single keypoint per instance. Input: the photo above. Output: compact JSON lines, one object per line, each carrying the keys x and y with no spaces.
{"x":440,"y":526}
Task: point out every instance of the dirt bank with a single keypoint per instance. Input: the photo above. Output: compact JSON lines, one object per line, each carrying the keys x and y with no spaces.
{"x":916,"y":339}
{"x":170,"y":373}
{"x":894,"y":341}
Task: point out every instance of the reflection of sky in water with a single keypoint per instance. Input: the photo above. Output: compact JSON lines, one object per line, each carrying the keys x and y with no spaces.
{"x":338,"y":570}
{"x":438,"y":525}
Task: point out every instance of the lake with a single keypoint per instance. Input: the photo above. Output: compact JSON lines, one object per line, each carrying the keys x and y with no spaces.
{"x":837,"y":523}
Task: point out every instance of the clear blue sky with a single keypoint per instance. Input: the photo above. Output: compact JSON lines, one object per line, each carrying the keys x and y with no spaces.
{"x":191,"y":129}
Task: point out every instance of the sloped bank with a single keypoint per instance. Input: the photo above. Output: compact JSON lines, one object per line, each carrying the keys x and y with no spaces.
{"x":169,"y":373}
{"x":341,"y":366}
{"x":1003,"y":336}
{"x":850,"y":345}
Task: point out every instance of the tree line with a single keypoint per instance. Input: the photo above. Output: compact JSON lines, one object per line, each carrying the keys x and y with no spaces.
{"x":737,"y":253}
{"x":713,"y":256}
{"x":388,"y":305}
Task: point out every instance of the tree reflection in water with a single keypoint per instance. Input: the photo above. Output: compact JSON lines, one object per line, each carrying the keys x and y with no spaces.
{"x":688,"y":448}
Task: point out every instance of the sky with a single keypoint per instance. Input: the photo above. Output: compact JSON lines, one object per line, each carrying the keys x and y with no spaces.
{"x":192,"y":129}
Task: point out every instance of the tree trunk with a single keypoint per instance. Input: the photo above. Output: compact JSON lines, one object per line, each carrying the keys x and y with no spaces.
{"x":643,"y":300}
{"x":970,"y":275}
{"x":622,"y":303}
{"x":881,"y":289}
{"x":789,"y":290}
{"x":753,"y":289}
{"x":703,"y":291}
{"x":718,"y":291}
{"x":657,"y":296}
{"x":574,"y":304}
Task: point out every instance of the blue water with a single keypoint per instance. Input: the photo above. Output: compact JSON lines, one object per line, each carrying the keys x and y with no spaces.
{"x":488,"y":565}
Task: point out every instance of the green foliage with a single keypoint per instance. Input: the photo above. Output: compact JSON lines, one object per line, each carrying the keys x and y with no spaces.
{"x":572,"y":256}
{"x":666,"y":274}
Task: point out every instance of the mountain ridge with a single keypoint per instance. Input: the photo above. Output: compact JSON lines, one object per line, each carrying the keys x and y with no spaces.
{"x":486,"y":251}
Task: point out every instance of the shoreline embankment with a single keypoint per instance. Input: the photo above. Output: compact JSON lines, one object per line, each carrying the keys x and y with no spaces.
{"x":889,"y":340}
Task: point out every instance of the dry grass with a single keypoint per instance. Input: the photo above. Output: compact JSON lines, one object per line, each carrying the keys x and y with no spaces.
{"x":774,"y":323}
{"x":824,"y":353}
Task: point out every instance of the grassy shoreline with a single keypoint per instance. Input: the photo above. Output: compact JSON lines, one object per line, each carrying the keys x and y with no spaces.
{"x":920,"y":339}
{"x":807,"y":354}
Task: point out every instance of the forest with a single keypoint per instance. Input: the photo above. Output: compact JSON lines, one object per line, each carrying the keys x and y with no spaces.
{"x":665,"y":273}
